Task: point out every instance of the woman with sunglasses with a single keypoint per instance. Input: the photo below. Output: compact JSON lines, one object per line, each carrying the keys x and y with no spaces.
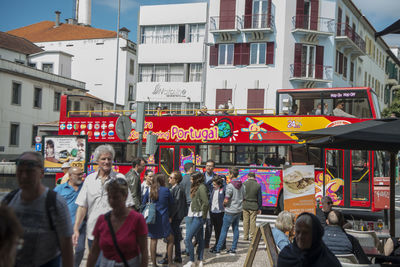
{"x":322,"y":213}
{"x":196,"y":217}
{"x":129,"y":227}
{"x":162,"y":198}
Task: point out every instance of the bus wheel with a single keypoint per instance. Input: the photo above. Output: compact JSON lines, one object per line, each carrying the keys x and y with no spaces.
{"x":279,"y":206}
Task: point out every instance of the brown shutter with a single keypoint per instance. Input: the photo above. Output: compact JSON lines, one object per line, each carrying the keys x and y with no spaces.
{"x":340,"y":63}
{"x":248,"y":11}
{"x":222,"y":96}
{"x":339,"y":19}
{"x":319,"y":62}
{"x":214,"y":55}
{"x":300,"y":14}
{"x":314,"y":15}
{"x":270,"y":53}
{"x":297,"y":60}
{"x":269,"y":21}
{"x":255,"y":101}
{"x":245,"y":54}
{"x":237,"y":56}
{"x":227,"y":14}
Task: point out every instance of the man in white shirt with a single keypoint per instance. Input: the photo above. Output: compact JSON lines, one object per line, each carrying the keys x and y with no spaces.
{"x":338,"y":111}
{"x":92,"y":199}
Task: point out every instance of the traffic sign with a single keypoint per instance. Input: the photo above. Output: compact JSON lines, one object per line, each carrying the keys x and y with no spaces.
{"x":38,"y":139}
{"x":123,"y":127}
{"x":38,"y":147}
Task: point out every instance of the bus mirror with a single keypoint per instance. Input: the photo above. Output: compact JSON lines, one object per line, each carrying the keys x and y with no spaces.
{"x":151,"y":143}
{"x":138,"y":116}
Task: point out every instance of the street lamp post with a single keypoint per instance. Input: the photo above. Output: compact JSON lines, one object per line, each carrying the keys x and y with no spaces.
{"x":116,"y":64}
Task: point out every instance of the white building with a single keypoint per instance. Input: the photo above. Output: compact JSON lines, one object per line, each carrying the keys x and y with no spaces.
{"x":259,"y":46}
{"x":93,"y":53}
{"x":29,"y":96}
{"x":171,"y":55}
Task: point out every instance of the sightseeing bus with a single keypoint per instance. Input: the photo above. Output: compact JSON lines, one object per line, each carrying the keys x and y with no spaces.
{"x":252,"y":140}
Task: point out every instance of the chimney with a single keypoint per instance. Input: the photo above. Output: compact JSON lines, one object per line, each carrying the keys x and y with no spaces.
{"x":84,"y":12}
{"x":123,"y":32}
{"x":57,"y":23}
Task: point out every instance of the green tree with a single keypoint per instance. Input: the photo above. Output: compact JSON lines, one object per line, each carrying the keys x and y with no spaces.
{"x":394,"y":108}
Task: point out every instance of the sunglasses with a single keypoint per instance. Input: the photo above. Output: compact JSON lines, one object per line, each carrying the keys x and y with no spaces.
{"x":28,"y":163}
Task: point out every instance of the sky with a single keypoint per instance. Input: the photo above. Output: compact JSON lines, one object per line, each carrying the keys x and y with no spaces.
{"x":18,"y":13}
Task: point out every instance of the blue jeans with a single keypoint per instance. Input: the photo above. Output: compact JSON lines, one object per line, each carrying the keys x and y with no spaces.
{"x":80,"y":247}
{"x":195,"y":229}
{"x":228,"y":221}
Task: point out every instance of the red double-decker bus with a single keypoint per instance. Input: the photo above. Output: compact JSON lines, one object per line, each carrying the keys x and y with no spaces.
{"x":251,"y":140}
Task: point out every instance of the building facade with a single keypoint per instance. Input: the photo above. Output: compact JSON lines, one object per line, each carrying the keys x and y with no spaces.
{"x":29,"y":96}
{"x":171,"y":56}
{"x":93,"y":54}
{"x":259,"y":46}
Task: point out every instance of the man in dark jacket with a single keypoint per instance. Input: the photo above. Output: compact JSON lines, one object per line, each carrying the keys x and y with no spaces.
{"x":208,"y":177}
{"x":338,"y":241}
{"x":133,"y":179}
{"x":322,"y":213}
{"x":252,"y":204}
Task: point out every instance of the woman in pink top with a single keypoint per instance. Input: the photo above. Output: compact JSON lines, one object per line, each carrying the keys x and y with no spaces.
{"x":129,"y":227}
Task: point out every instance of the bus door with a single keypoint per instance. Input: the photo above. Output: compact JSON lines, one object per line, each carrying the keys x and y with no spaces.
{"x":360,"y":175}
{"x":334,"y":176}
{"x":186,"y":154}
{"x":166,"y":159}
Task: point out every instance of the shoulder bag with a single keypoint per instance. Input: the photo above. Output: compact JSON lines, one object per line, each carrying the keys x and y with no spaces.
{"x":149,"y":212}
{"x":108,"y":219}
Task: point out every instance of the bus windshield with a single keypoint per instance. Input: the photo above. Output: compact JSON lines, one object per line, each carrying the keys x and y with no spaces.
{"x":342,"y":103}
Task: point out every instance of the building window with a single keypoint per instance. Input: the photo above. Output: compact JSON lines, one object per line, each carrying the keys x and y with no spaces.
{"x":339,"y":62}
{"x":47,"y":67}
{"x":77,"y":105}
{"x":352,"y":72}
{"x":57,"y":99}
{"x":130,"y":93}
{"x":161,"y":73}
{"x":308,"y":61}
{"x":225,"y":54}
{"x":196,"y":33}
{"x":16,"y":94}
{"x":345,"y":67}
{"x":32,"y":65}
{"x":195,"y":72}
{"x":257,"y":53}
{"x":165,"y":34}
{"x":37,"y":97}
{"x":34,"y":134}
{"x":131,"y":66}
{"x":20,"y":61}
{"x":14,"y":134}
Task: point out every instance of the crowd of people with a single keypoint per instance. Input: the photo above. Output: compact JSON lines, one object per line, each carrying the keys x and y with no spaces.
{"x":42,"y":227}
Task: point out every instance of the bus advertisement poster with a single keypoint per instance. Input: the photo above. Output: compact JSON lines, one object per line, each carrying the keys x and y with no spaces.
{"x":59,"y":150}
{"x":299,"y":189}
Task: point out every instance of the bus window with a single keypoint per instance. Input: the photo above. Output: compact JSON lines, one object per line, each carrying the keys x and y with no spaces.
{"x":381,"y":164}
{"x":227,"y":155}
{"x":166,"y":160}
{"x":375,"y":102}
{"x":359,"y":175}
{"x":210,"y":152}
{"x":334,"y":170}
{"x":310,"y":156}
{"x":355,"y":103}
{"x":245,"y":155}
{"x":285,"y":104}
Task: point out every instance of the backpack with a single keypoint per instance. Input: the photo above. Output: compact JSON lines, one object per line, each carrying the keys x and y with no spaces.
{"x":50,"y":201}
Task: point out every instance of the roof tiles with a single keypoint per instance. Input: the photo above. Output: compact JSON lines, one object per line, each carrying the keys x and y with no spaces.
{"x":18,"y":44}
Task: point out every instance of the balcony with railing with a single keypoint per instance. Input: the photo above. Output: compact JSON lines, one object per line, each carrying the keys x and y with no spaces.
{"x":347,"y":37}
{"x":258,"y":23}
{"x":311,"y":72}
{"x":225,"y":24}
{"x":314,"y":25}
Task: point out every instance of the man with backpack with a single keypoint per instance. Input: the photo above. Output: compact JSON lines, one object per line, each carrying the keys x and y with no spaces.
{"x":43,"y":215}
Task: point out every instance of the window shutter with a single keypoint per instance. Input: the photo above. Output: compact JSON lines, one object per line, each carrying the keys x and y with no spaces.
{"x":339,"y":24}
{"x":270,"y":53}
{"x":269,"y":21}
{"x":300,"y":14}
{"x":340,"y":63}
{"x":248,"y":11}
{"x":214,"y":55}
{"x":245,"y":54}
{"x":319,"y":62}
{"x":222,"y":96}
{"x":237,"y":57}
{"x":297,"y":60}
{"x":314,"y":15}
{"x":227,"y":14}
{"x":255,"y":101}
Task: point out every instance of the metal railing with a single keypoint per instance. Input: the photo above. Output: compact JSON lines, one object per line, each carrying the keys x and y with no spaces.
{"x":225,"y":23}
{"x":311,"y":71}
{"x":258,"y":21}
{"x":314,"y":23}
{"x":173,"y":112}
{"x":344,"y":29}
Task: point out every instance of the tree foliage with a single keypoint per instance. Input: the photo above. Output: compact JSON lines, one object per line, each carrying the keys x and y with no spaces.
{"x":394,"y":108}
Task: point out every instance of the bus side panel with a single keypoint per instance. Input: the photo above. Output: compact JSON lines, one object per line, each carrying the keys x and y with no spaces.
{"x":269,"y":179}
